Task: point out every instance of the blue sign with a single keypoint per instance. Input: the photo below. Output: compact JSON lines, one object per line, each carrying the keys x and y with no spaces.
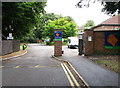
{"x":58,"y":35}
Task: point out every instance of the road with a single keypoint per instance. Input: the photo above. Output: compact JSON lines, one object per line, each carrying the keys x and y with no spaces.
{"x":36,"y":68}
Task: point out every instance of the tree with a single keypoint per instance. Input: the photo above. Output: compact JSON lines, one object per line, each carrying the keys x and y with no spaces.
{"x":68,"y":27}
{"x":44,"y":21}
{"x":20,"y":18}
{"x":36,"y":32}
{"x":90,"y":23}
{"x":109,"y":7}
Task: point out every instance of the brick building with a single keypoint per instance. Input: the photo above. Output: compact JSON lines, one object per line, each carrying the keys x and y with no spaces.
{"x":103,"y":38}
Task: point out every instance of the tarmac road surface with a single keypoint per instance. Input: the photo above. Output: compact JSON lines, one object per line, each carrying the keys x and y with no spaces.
{"x":93,"y":74}
{"x":36,"y":68}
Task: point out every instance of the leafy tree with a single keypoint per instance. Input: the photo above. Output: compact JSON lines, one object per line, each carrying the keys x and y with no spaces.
{"x":20,"y":18}
{"x":36,"y":32}
{"x":68,"y":27}
{"x":44,"y":21}
{"x":69,"y":19}
{"x":109,"y":7}
{"x":90,"y":23}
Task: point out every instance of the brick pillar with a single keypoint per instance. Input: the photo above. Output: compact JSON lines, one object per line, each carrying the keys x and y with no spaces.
{"x":57,"y":43}
{"x":89,"y":42}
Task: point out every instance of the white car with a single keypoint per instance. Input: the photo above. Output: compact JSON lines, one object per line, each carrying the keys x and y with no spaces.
{"x":72,"y":42}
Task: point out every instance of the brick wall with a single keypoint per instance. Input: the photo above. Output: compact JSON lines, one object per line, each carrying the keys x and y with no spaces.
{"x":99,"y":41}
{"x":88,"y":50}
{"x":57,"y":48}
{"x":9,"y":46}
{"x":99,"y":44}
{"x":96,"y":46}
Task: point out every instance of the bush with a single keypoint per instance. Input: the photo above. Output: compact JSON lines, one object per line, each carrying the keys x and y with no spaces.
{"x":64,"y":42}
{"x":49,"y":43}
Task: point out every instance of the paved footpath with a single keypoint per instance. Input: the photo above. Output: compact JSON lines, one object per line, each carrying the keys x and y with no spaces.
{"x":92,"y":73}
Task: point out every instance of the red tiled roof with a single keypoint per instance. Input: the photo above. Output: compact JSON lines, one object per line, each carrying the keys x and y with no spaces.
{"x":112,"y":20}
{"x":112,"y":23}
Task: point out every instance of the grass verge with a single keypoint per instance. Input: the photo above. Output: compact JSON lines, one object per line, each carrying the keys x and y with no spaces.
{"x":109,"y":62}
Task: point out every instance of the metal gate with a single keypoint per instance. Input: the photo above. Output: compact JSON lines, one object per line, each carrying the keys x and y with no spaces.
{"x":81,"y":47}
{"x":81,"y":43}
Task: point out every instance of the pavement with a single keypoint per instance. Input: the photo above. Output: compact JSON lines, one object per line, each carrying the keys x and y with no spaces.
{"x":93,"y":74}
{"x":14,"y":54}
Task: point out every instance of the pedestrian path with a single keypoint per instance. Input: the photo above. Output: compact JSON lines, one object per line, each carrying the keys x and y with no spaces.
{"x":14,"y":54}
{"x":92,"y":73}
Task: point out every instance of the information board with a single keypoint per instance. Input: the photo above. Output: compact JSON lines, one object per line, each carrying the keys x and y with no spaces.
{"x":57,"y":36}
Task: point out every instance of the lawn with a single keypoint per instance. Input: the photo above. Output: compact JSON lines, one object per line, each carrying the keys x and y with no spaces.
{"x":110,"y":64}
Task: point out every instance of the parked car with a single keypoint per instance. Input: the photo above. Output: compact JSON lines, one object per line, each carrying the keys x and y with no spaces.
{"x":72,"y":42}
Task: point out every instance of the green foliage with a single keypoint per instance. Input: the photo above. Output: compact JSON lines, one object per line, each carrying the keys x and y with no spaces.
{"x":49,"y":43}
{"x":44,"y":19}
{"x":90,"y":23}
{"x":20,"y":18}
{"x":29,"y":38}
{"x":64,"y":42}
{"x":67,"y":25}
{"x":109,"y":7}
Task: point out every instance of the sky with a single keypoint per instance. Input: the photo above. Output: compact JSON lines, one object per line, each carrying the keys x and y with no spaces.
{"x":80,"y":15}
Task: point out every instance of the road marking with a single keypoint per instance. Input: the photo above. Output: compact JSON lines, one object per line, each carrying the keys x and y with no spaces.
{"x":69,"y":79}
{"x":77,"y":84}
{"x":23,"y":66}
{"x":85,"y":83}
{"x":16,"y":67}
{"x":1,"y":66}
{"x":37,"y":66}
{"x":30,"y":66}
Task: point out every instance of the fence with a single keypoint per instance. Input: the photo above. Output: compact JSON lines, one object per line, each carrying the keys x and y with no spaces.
{"x":9,"y":46}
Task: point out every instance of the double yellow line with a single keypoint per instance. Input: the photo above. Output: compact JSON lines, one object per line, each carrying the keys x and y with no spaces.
{"x":71,"y":78}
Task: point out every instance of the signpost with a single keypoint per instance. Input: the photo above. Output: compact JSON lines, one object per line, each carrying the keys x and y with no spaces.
{"x":10,"y":36}
{"x":57,"y":36}
{"x":57,"y":42}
